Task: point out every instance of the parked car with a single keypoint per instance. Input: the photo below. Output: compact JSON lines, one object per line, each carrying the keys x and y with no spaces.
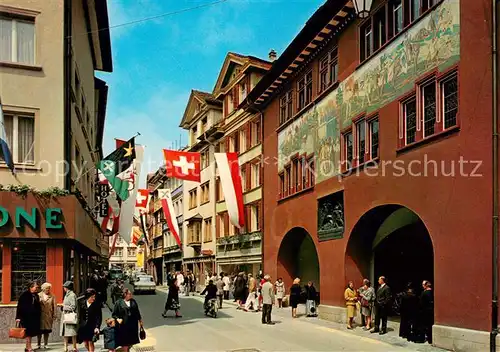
{"x":144,"y":283}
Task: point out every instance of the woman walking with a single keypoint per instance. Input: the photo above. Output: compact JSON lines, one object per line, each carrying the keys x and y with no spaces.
{"x":280,"y":291}
{"x":28,"y":313}
{"x":367,"y":297}
{"x":48,"y":308}
{"x":239,"y":289}
{"x":172,"y":302}
{"x":350,"y":301}
{"x":90,"y":319}
{"x":311,"y":297}
{"x":127,"y":314}
{"x":68,"y":330}
{"x":295,"y":292}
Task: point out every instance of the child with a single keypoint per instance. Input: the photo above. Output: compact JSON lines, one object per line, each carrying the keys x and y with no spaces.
{"x":109,"y":335}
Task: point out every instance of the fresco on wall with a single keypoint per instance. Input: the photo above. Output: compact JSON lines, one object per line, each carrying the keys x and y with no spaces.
{"x":433,"y":42}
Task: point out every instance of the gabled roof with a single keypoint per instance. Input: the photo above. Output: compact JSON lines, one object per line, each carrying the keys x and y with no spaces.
{"x":233,"y":60}
{"x":197,"y":97}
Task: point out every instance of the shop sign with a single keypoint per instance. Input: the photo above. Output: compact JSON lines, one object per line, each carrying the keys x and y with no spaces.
{"x":22,"y":216}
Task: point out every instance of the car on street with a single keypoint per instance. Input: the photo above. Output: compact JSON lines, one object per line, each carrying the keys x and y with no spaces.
{"x":144,"y":284}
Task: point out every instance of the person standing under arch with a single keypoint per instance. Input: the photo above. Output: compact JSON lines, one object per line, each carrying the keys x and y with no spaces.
{"x":382,"y":306}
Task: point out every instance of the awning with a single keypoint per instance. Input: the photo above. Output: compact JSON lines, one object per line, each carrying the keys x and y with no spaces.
{"x":196,"y":217}
{"x":199,"y":259}
{"x":254,"y":259}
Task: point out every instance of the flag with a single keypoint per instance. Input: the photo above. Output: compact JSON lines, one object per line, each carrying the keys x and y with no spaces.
{"x":6,"y":154}
{"x":182,"y":165}
{"x":169,"y":212}
{"x":142,"y":200}
{"x":127,"y":206}
{"x":118,"y":169}
{"x":230,"y":178}
{"x":136,"y":235}
{"x":142,"y":218}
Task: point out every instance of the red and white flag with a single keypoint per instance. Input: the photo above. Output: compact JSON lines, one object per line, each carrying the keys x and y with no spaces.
{"x":142,"y":200}
{"x":170,"y":215}
{"x":182,"y":165}
{"x":230,"y":178}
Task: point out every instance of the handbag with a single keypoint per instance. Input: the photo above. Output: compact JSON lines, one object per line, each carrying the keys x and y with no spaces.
{"x":70,"y":318}
{"x":142,"y":333}
{"x":364,"y":302}
{"x":17,"y":332}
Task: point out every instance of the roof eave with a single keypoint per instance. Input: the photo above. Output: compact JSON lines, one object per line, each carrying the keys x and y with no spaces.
{"x":101,"y":8}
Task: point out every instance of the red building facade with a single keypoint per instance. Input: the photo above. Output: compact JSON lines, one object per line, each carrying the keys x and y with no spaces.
{"x":377,"y":150}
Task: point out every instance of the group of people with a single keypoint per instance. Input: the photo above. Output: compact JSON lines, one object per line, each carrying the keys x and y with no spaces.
{"x":417,"y":313}
{"x":81,"y":318}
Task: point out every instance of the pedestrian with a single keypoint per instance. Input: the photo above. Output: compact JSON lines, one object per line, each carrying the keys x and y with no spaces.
{"x":267,"y":300}
{"x":103,"y":287}
{"x":227,"y":284}
{"x":426,"y":313}
{"x":280,"y":292}
{"x":180,"y":281}
{"x":89,"y":319}
{"x":116,"y":291}
{"x":351,"y":300}
{"x":239,"y":289}
{"x":408,"y":313}
{"x":262,"y":281}
{"x":252,"y":292}
{"x":109,"y":333}
{"x":187,"y":283}
{"x":28,"y":313}
{"x":366,"y":298}
{"x":69,"y":330}
{"x":220,"y":290}
{"x":311,"y":297}
{"x":127,"y":315}
{"x":172,"y":302}
{"x":382,"y":306}
{"x":48,"y":309}
{"x":295,"y":293}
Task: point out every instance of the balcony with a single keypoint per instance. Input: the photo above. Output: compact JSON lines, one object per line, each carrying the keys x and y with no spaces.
{"x":194,"y":241}
{"x":241,"y":239}
{"x":214,"y":132}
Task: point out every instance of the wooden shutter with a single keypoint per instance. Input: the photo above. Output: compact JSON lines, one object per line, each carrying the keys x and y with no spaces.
{"x":248,"y":133}
{"x":226,"y":142}
{"x":226,"y":103}
{"x":236,"y":139}
{"x":226,"y":223}
{"x":249,"y":176}
{"x":260,"y":215}
{"x":236,"y":96}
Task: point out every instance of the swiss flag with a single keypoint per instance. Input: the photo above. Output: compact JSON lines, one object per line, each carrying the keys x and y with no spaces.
{"x":142,"y":200}
{"x":182,"y":165}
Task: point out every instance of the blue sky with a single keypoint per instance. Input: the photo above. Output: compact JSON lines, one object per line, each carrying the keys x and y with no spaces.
{"x":158,"y":62}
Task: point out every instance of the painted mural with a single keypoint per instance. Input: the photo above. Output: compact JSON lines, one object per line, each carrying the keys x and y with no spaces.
{"x":433,"y":42}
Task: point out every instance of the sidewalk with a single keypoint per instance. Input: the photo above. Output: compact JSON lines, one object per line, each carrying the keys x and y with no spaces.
{"x":145,"y":346}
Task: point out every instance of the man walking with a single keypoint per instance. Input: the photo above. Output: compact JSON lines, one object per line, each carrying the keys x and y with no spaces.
{"x":220,"y":290}
{"x":267,"y":300}
{"x":188,"y":282}
{"x":252,"y":291}
{"x":382,"y":306}
{"x":227,"y":283}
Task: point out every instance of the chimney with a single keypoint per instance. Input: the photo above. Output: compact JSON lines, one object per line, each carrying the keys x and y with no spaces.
{"x":272,"y":55}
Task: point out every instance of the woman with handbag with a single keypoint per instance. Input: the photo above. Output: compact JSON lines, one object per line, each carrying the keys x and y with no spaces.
{"x":127,"y":314}
{"x":48,"y":314}
{"x":69,"y":321}
{"x":367,"y":296}
{"x":28,"y":313}
{"x":89,"y":319}
{"x":351,"y":300}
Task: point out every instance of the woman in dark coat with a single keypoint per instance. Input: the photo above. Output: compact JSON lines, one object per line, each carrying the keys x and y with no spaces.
{"x":89,"y":319}
{"x":295,"y":292}
{"x":28,"y":313}
{"x":127,"y":314}
{"x":172,"y":302}
{"x":239,"y":289}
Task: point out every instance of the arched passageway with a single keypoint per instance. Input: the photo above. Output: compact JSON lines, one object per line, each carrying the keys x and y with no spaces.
{"x":297,"y":257}
{"x":391,"y":241}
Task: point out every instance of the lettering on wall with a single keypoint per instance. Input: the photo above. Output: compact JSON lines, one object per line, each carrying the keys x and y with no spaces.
{"x":31,"y":217}
{"x":434,"y":42}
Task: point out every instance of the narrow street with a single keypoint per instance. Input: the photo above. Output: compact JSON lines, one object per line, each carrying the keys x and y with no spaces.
{"x":238,"y":330}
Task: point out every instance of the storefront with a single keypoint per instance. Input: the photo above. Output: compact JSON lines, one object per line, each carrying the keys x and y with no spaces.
{"x":201,"y":267}
{"x":240,"y":253}
{"x":45,"y":240}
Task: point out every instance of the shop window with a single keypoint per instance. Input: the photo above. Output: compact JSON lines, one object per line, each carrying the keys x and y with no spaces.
{"x":28,"y":264}
{"x":304,"y":90}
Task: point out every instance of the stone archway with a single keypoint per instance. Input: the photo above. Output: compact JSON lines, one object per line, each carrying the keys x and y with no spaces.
{"x":297,"y":257}
{"x":390,"y":240}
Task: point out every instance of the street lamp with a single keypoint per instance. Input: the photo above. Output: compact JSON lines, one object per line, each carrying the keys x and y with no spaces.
{"x":362,"y":7}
